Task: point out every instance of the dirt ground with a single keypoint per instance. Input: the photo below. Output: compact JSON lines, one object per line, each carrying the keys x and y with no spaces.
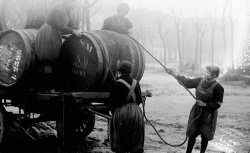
{"x":168,"y":111}
{"x":170,"y":108}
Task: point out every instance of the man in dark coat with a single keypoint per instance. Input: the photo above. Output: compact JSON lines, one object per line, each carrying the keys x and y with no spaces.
{"x":119,"y":23}
{"x":127,"y":129}
{"x":49,"y":40}
{"x":203,"y":116}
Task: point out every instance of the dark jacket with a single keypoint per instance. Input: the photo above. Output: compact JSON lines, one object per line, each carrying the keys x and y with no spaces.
{"x":112,"y":24}
{"x":203,"y":120}
{"x":127,"y":130}
{"x":59,"y":17}
{"x":119,"y":93}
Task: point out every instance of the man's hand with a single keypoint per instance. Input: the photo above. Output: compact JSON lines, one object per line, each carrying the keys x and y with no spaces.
{"x":201,"y":103}
{"x":149,"y":94}
{"x":171,"y":72}
{"x":77,"y":33}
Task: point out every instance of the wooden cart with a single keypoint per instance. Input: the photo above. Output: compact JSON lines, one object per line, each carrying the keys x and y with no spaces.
{"x":73,"y":112}
{"x":86,"y":63}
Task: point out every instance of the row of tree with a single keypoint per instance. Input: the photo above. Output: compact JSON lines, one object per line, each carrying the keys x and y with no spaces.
{"x":194,"y":40}
{"x":212,"y":37}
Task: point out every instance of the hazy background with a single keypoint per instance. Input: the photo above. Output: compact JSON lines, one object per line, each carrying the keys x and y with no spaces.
{"x":183,"y":34}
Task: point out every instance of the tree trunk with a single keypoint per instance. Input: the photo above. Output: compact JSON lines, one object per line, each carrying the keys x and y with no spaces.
{"x":183,"y":47}
{"x":232,"y":45}
{"x":179,"y":47}
{"x":212,"y":54}
{"x":164,"y":54}
{"x":200,"y":53}
{"x":224,"y":39}
{"x":87,"y":15}
{"x":196,"y":50}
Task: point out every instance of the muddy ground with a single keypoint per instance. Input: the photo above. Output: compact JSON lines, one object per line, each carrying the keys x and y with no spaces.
{"x":168,"y":111}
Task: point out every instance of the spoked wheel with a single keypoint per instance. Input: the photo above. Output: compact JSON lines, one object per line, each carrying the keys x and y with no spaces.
{"x":3,"y":128}
{"x":85,"y":122}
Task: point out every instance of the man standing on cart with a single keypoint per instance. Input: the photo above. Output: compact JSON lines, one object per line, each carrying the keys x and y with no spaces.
{"x":119,"y":23}
{"x":49,"y":40}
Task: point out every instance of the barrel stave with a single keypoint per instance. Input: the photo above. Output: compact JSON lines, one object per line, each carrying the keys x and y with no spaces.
{"x":78,"y":63}
{"x":17,"y":58}
{"x":24,"y":14}
{"x":107,"y":50}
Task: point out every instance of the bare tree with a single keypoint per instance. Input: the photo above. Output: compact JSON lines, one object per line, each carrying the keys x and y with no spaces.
{"x":85,"y":13}
{"x":223,"y":28}
{"x":213,"y":28}
{"x":232,"y":22}
{"x":183,"y":32}
{"x":202,"y":29}
{"x":196,"y":27}
{"x":142,"y":37}
{"x":141,"y":30}
{"x":176,"y":17}
{"x":151,"y":41}
{"x":163,"y":35}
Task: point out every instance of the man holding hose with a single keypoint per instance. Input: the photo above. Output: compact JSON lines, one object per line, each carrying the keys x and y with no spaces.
{"x":203,"y":116}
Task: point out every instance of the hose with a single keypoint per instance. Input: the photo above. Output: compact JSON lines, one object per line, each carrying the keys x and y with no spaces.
{"x":143,"y":104}
{"x":172,"y":145}
{"x":163,"y":67}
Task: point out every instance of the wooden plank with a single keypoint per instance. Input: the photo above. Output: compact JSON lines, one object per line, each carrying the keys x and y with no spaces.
{"x":94,"y":107}
{"x":45,"y":96}
{"x":91,"y":95}
{"x":98,"y":95}
{"x":100,"y":114}
{"x":9,"y":93}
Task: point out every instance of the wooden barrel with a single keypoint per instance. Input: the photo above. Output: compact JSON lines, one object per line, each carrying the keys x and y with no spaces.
{"x":23,"y":14}
{"x":38,"y":10}
{"x":89,"y":63}
{"x":14,"y":14}
{"x":17,"y":56}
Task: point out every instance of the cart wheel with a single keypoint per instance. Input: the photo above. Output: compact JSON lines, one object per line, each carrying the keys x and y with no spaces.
{"x":85,"y":123}
{"x":2,"y":123}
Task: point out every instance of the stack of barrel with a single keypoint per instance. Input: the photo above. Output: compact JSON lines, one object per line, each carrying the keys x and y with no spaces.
{"x":86,"y":63}
{"x":23,"y":14}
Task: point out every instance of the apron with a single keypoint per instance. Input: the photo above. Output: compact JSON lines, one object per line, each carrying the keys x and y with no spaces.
{"x":127,"y":131}
{"x":202,"y":120}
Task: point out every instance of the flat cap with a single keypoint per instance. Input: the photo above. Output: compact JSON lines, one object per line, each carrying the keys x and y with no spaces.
{"x":125,"y":67}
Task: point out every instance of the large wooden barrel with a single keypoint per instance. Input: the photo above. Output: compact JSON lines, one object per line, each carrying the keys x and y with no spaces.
{"x":89,"y":63}
{"x":38,"y":9}
{"x":14,"y":14}
{"x":23,"y":14}
{"x":17,"y":56}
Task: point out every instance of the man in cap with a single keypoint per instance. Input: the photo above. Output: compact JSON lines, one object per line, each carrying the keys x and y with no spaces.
{"x":203,"y":116}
